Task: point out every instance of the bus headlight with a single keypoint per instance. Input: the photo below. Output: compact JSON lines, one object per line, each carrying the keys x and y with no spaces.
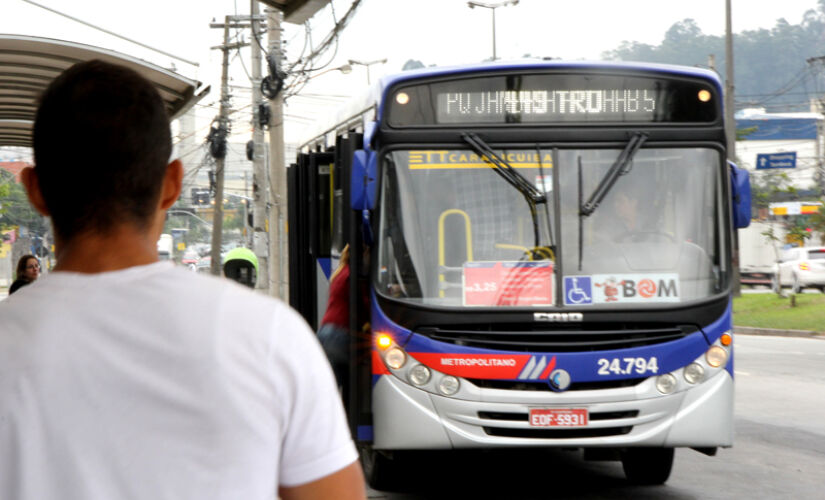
{"x":694,"y":373}
{"x":419,"y":375}
{"x":666,"y":383}
{"x":448,"y":385}
{"x":395,"y":358}
{"x":716,"y":356}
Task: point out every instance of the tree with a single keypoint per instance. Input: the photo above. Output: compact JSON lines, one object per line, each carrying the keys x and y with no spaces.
{"x":770,"y":69}
{"x":15,"y":209}
{"x":798,"y":233}
{"x":412,"y":64}
{"x":817,"y":222}
{"x":768,"y":186}
{"x":772,"y":239}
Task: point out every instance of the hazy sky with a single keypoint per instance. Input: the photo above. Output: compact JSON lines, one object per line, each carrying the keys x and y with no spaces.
{"x":438,"y":32}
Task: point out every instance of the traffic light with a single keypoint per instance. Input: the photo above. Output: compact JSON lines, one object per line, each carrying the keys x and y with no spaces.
{"x":200,"y":196}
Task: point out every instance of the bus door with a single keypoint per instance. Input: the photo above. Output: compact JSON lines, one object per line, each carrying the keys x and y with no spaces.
{"x":357,"y":232}
{"x":310,"y":233}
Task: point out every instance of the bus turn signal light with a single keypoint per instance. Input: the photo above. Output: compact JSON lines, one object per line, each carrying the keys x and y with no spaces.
{"x":383,"y":340}
{"x":725,"y":339}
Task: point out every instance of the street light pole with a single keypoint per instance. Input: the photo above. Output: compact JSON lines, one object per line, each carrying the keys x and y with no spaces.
{"x":492,"y":7}
{"x":344,"y":68}
{"x":494,"y":33}
{"x":368,"y":64}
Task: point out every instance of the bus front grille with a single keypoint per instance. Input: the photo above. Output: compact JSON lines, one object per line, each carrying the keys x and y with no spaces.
{"x":519,"y":385}
{"x":558,"y":433}
{"x":568,"y":339}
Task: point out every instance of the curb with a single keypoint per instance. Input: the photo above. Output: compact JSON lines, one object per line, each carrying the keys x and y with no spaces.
{"x":749,"y":330}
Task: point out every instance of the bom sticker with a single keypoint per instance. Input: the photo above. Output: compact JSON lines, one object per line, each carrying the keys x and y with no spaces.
{"x":638,"y":288}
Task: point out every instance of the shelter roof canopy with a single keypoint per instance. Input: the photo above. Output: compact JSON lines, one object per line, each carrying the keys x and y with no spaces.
{"x":28,"y":64}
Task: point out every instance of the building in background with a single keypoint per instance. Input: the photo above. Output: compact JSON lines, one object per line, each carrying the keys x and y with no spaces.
{"x":783,"y":152}
{"x":790,"y":143}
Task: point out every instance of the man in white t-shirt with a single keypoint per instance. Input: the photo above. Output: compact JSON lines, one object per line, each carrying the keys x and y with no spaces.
{"x":125,"y":377}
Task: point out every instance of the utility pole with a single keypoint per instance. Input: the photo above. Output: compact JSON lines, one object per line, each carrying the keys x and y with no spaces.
{"x":730,"y":124}
{"x":247,"y":236}
{"x":277,"y":171}
{"x":223,"y":127}
{"x":260,"y":188}
{"x":223,"y":124}
{"x":492,"y":7}
{"x":730,"y":132}
{"x":818,"y":106}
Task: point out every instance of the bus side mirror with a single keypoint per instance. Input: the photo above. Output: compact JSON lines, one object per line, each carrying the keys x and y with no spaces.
{"x":741,"y":191}
{"x":363,"y":182}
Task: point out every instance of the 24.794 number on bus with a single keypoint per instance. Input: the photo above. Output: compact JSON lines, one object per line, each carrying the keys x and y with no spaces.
{"x":626,"y":366}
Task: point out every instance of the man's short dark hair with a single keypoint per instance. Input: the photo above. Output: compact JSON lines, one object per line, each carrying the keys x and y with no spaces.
{"x":101,"y":146}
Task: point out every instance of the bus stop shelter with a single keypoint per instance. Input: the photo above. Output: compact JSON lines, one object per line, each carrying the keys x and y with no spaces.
{"x":28,"y":64}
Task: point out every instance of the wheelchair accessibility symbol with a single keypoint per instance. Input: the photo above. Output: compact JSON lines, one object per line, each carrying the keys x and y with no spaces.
{"x":578,"y":290}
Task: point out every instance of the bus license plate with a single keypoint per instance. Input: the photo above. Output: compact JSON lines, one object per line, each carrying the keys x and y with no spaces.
{"x":558,"y":417}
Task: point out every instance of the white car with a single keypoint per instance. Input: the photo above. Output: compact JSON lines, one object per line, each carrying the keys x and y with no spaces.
{"x":800,"y":268}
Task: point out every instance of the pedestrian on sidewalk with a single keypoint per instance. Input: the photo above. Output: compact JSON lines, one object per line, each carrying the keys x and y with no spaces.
{"x":28,"y":270}
{"x":125,"y":377}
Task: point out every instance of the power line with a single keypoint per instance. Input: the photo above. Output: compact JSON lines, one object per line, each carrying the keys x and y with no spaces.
{"x":104,"y":30}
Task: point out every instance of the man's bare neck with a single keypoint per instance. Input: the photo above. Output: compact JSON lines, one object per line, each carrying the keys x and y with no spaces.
{"x":97,"y":253}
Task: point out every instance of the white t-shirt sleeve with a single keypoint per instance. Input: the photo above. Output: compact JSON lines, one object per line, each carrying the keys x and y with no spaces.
{"x":316,"y":439}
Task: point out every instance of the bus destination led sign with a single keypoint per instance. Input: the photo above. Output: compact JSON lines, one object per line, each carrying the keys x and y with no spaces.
{"x":546,"y":103}
{"x":551,"y":98}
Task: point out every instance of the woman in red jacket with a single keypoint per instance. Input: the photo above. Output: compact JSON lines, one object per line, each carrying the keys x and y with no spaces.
{"x":334,"y":330}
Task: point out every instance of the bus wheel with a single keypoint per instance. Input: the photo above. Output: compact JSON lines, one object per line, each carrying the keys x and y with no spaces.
{"x":380,"y":469}
{"x":647,"y":465}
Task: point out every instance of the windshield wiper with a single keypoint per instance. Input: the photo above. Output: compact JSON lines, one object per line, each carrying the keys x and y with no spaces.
{"x":620,"y":167}
{"x":500,"y":166}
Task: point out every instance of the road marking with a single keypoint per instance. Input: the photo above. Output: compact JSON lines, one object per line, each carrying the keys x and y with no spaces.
{"x":737,"y":372}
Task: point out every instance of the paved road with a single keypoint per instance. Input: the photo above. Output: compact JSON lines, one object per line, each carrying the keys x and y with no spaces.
{"x":779,"y":451}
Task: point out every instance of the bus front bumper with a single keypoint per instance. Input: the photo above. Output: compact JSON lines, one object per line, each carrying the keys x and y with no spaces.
{"x":405,"y":417}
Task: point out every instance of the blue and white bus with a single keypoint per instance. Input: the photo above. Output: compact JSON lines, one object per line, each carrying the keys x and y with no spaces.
{"x":550,"y":260}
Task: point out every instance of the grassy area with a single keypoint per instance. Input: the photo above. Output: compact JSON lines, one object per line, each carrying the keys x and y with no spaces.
{"x":766,"y":310}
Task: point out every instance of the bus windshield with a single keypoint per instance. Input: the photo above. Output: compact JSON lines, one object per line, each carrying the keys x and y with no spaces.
{"x":453,"y":232}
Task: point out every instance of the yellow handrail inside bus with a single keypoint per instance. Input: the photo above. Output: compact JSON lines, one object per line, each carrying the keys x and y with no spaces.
{"x":545,"y":252}
{"x":514,"y":247}
{"x":467,"y":232}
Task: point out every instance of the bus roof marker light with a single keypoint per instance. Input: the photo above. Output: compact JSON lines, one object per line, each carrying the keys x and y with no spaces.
{"x":704,"y":95}
{"x":402,"y":98}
